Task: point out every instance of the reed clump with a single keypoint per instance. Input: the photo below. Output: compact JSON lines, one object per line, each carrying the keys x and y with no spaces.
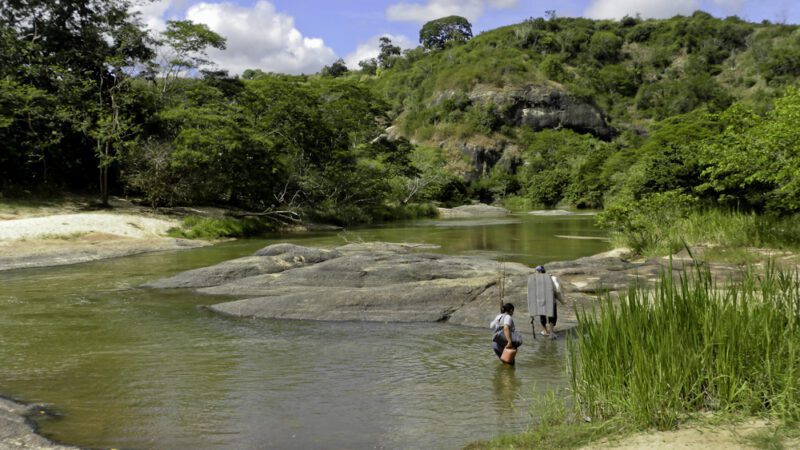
{"x":660,"y":355}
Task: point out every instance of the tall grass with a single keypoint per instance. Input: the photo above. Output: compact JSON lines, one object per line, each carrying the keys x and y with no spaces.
{"x":688,"y":345}
{"x":656,"y":233}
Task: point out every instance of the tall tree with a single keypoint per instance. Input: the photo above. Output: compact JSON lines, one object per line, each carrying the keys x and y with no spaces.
{"x":437,"y":34}
{"x":61,"y":62}
{"x":185,"y":49}
{"x":388,"y":53}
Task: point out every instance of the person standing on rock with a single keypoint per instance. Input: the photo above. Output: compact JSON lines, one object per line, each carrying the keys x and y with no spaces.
{"x":505,"y":335}
{"x":543,"y":291}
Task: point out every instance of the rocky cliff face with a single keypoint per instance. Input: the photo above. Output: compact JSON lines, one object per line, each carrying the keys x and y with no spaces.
{"x":541,"y":107}
{"x":538,"y":107}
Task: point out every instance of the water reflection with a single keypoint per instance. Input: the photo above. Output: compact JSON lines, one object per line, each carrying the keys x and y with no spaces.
{"x":136,"y":368}
{"x":506,"y":388}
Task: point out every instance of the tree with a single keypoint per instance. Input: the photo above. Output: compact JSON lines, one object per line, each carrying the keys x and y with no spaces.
{"x":66,"y":65}
{"x":337,"y":69}
{"x":605,"y":46}
{"x":113,"y":127}
{"x":755,"y":161}
{"x":369,"y":66}
{"x":187,"y":43}
{"x":437,"y":34}
{"x":388,"y":53}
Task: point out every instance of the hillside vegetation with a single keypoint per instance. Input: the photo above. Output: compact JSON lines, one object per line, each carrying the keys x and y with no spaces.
{"x":671,"y":115}
{"x":666,"y":89}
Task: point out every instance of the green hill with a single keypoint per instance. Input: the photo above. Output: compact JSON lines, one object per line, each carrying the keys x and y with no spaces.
{"x":580,"y":112}
{"x":557,"y":111}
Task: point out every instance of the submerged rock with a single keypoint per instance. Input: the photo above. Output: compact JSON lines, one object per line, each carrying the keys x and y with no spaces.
{"x":467,"y":211}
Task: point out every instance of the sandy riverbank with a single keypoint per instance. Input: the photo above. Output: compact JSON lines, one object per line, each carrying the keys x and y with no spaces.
{"x":59,"y":239}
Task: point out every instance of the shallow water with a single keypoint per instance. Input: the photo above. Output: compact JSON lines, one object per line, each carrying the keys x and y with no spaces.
{"x":135,"y":368}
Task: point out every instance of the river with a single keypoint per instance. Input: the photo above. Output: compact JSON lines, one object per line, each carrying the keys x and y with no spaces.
{"x":126,"y":367}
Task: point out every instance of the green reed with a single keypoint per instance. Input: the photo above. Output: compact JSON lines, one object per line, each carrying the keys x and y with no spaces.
{"x":688,"y":345}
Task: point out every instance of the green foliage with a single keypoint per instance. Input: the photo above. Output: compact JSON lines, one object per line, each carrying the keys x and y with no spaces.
{"x":388,"y":53}
{"x":558,"y":166}
{"x":674,"y":97}
{"x":337,"y":69}
{"x":369,"y":66}
{"x":552,"y":67}
{"x":658,"y":356}
{"x":439,"y":33}
{"x":755,"y":162}
{"x":198,"y":227}
{"x":186,"y":42}
{"x":72,"y":106}
{"x":668,"y":159}
{"x":605,"y":46}
{"x":644,"y":225}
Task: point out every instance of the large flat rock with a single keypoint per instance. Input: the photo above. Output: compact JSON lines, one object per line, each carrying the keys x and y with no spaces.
{"x":380,"y":281}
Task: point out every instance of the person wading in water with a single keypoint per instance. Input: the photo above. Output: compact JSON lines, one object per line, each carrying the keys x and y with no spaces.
{"x":505,"y":335}
{"x":543,"y":291}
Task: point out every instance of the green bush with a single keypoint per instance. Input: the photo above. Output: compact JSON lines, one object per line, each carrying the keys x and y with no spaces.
{"x":198,"y":227}
{"x":644,"y":226}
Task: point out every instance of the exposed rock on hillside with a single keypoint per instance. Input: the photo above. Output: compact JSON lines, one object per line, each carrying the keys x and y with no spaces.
{"x":541,"y":107}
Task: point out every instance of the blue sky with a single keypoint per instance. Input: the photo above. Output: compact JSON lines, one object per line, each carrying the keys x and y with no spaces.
{"x":300,"y":36}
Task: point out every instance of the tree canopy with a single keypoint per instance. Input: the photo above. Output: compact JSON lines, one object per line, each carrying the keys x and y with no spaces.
{"x":438,"y":33}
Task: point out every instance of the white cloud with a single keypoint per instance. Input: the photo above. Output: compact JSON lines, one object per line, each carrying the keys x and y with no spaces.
{"x":657,"y":9}
{"x":259,"y":37}
{"x":152,"y":13}
{"x":371,"y":49}
{"x":434,"y":9}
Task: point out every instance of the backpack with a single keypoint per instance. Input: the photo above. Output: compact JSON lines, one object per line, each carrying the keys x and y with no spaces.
{"x":497,"y":324}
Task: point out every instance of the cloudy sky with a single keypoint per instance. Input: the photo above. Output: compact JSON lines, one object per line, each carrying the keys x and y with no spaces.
{"x":301,"y":36}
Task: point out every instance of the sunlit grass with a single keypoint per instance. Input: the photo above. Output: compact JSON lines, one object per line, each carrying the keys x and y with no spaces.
{"x":196,"y":227}
{"x":716,"y":229}
{"x":690,"y":346}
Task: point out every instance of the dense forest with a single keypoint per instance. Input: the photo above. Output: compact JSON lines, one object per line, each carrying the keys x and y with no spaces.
{"x":551,"y":111}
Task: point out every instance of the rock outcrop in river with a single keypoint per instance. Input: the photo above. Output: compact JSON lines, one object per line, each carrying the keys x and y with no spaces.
{"x":397,"y":282}
{"x":17,"y":432}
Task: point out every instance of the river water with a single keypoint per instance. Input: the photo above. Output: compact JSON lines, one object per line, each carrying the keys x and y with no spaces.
{"x":125,"y":367}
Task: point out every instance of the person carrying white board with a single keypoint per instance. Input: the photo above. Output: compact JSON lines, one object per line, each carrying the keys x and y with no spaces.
{"x":543,"y":291}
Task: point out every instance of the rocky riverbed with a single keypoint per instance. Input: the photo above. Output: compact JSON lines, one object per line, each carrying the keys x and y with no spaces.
{"x":402,"y":282}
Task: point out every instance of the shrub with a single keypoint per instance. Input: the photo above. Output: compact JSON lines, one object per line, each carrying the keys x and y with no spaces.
{"x":197,"y":227}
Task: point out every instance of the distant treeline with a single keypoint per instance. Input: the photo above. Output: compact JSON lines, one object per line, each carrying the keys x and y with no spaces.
{"x":91,"y":101}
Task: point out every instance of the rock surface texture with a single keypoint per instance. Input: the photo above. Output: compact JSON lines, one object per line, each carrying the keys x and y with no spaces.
{"x":541,"y":107}
{"x":402,"y":283}
{"x":467,"y":211}
{"x":17,"y":432}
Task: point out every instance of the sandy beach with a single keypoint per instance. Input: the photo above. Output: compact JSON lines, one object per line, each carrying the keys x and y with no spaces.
{"x":58,"y":239}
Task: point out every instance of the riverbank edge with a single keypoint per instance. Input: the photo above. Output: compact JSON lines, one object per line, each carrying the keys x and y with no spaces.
{"x":19,"y":431}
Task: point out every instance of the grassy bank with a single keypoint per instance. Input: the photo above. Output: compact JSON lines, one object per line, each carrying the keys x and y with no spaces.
{"x":687,"y":351}
{"x":663,"y":224}
{"x":690,"y":346}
